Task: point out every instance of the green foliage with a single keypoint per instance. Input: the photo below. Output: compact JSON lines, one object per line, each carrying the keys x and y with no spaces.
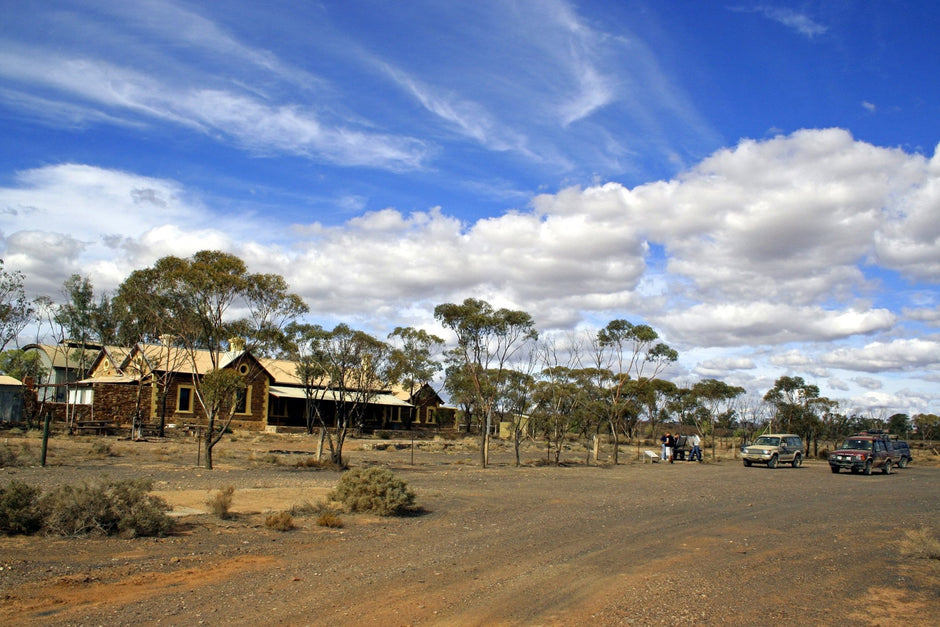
{"x":19,"y":509}
{"x":220,"y":502}
{"x":15,"y":309}
{"x":106,"y":507}
{"x":279,"y":521}
{"x":20,"y":364}
{"x":373,"y":490}
{"x":221,"y":388}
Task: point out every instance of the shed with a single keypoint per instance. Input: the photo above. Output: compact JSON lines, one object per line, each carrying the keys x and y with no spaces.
{"x":11,"y":399}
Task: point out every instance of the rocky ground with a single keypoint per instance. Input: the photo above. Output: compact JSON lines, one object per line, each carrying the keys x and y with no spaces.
{"x":631,"y":544}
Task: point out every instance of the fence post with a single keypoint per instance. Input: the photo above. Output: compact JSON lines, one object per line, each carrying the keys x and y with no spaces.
{"x":45,"y":439}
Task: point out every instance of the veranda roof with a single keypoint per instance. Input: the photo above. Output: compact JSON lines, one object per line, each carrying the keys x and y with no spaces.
{"x":329,"y":395}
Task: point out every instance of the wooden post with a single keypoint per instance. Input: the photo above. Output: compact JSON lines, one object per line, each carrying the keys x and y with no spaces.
{"x":597,"y":443}
{"x":45,"y":439}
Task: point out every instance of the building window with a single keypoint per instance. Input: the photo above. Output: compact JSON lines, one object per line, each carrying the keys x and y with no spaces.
{"x":430,"y":417}
{"x":243,"y":401}
{"x":184,"y":399}
{"x":278,"y":406}
{"x":81,"y":396}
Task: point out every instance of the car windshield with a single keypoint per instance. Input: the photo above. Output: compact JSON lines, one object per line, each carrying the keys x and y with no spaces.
{"x":765,"y":440}
{"x":857,"y":445}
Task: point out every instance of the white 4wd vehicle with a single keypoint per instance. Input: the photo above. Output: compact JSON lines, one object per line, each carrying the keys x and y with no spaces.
{"x":775,"y":448}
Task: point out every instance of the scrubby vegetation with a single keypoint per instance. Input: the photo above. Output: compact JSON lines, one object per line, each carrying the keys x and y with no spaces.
{"x":374,"y":490}
{"x":19,"y":509}
{"x":105,"y":507}
{"x":279,"y":521}
{"x":220,"y":502}
{"x":330,"y":519}
{"x":920,"y":543}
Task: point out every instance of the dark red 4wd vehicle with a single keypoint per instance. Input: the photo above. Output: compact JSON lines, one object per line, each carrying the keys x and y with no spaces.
{"x":861,"y":453}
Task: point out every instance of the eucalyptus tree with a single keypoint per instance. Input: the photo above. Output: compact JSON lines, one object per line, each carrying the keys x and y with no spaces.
{"x":198,"y":296}
{"x":307,"y":348}
{"x":487,"y":341}
{"x":628,"y":351}
{"x":356,"y":371}
{"x":797,"y":405}
{"x":515,"y":404}
{"x":556,"y":397}
{"x":459,"y":387}
{"x":413,"y":360}
{"x":15,"y":309}
{"x":927,"y":425}
{"x":717,"y":397}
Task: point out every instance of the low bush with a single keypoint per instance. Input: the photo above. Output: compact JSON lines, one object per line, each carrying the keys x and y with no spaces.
{"x":373,"y":490}
{"x":8,"y":457}
{"x":280,"y":521}
{"x":100,"y":448}
{"x":106,"y":507}
{"x":330,"y":519}
{"x":19,"y":509}
{"x":324,"y":464}
{"x":220,"y":503}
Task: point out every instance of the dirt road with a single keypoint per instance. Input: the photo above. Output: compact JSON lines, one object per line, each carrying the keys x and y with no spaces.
{"x":635,"y":544}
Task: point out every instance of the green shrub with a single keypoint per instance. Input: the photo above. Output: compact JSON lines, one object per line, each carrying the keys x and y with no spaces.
{"x":373,"y":490}
{"x":280,"y":521}
{"x":220,"y":503}
{"x":19,"y":509}
{"x":106,"y":507}
{"x":139,"y":513}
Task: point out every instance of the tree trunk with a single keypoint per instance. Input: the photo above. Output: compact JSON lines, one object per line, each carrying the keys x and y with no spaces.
{"x":207,"y":446}
{"x":616,"y":436}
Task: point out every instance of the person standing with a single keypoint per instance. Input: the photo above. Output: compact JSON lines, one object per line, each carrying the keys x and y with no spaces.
{"x":670,"y":446}
{"x":662,"y":441}
{"x":696,"y":448}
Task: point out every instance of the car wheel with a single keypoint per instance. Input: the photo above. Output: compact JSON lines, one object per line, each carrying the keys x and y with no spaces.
{"x":867,"y":470}
{"x":886,"y":469}
{"x":902,"y":463}
{"x":747,"y":463}
{"x":834,"y":469}
{"x":797,"y":461}
{"x":773,"y":462}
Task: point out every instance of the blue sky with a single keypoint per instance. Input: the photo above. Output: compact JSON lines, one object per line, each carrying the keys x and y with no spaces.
{"x":758,"y":181}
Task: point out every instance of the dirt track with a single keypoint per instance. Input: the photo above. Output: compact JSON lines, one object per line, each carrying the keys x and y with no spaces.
{"x":702,"y":544}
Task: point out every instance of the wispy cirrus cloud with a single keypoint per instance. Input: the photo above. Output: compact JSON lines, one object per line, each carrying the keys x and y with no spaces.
{"x":800,"y":22}
{"x":242,"y":117}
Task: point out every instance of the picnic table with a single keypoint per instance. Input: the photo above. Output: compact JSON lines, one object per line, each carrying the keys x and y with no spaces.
{"x":97,"y":427}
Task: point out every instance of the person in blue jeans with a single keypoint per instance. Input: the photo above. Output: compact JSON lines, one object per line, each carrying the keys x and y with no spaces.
{"x":696,"y":448}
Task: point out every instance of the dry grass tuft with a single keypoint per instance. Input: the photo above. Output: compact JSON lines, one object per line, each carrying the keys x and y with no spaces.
{"x":920,"y":544}
{"x":220,"y":503}
{"x":330,"y":519}
{"x":279,"y":521}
